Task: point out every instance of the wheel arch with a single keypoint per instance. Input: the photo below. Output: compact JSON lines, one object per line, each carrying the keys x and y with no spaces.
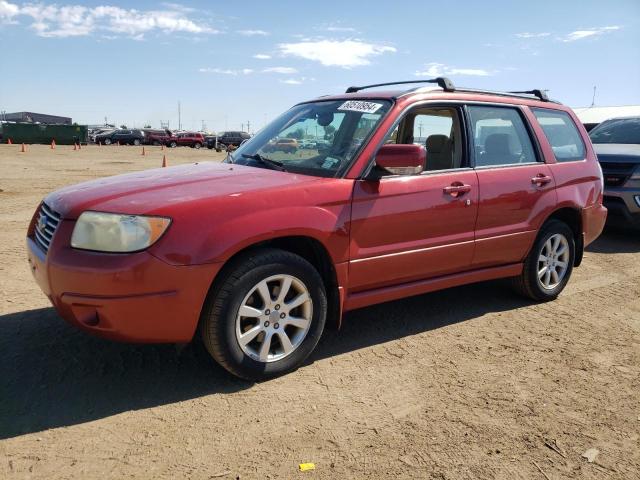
{"x":309,"y":248}
{"x":572,"y":217}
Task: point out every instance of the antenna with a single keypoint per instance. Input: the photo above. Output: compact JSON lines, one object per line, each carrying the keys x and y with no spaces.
{"x":593,"y":99}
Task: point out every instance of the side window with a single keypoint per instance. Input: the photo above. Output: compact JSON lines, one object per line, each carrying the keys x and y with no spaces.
{"x":438,"y":129}
{"x":500,"y":136}
{"x":562,"y":134}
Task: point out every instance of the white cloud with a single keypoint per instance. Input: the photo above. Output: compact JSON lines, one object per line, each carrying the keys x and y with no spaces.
{"x":8,"y":11}
{"x":591,"y":32}
{"x":532,"y":35}
{"x":297,"y":81}
{"x":253,"y":33}
{"x":226,"y":71}
{"x":340,"y":53}
{"x":283,"y":70}
{"x":79,"y":20}
{"x":262,"y":56}
{"x":434,"y":69}
{"x":340,"y":29}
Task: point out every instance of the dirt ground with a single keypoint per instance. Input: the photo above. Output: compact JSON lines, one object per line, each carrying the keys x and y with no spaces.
{"x":472,"y":382}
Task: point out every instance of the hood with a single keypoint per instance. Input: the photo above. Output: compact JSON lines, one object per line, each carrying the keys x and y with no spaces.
{"x":151,"y":192}
{"x":618,"y":152}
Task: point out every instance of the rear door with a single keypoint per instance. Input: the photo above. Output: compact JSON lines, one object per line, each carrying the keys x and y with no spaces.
{"x":412,"y":227}
{"x":516,"y":186}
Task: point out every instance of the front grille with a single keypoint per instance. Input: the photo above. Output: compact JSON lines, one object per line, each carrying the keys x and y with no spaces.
{"x":46,"y":225}
{"x":616,"y":174}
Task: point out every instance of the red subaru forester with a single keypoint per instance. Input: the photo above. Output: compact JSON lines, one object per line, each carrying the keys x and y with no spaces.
{"x":398,"y":193}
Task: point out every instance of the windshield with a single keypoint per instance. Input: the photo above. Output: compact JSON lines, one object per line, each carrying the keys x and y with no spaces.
{"x":319,"y":138}
{"x":622,"y":130}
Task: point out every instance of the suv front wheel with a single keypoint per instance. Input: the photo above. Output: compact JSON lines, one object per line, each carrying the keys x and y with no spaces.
{"x":549,"y":264}
{"x":265,"y":315}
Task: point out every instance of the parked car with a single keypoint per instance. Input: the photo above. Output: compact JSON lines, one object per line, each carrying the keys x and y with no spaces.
{"x":231,"y":139}
{"x":99,"y":131}
{"x":121,"y":136}
{"x":257,"y":254}
{"x":288,"y":145}
{"x":617,"y":144}
{"x":156,"y":137}
{"x":185,"y":139}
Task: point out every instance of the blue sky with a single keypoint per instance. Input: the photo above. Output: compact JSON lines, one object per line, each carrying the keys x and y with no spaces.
{"x":229,"y":62}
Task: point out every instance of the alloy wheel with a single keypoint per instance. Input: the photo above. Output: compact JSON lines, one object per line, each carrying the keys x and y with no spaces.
{"x":274,"y":318}
{"x":553,"y":261}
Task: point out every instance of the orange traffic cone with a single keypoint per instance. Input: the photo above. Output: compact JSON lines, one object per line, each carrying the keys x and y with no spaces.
{"x":161,"y":148}
{"x":143,"y":151}
{"x":9,"y":142}
{"x":53,"y":144}
{"x":75,"y":147}
{"x":164,"y":160}
{"x":23,"y":149}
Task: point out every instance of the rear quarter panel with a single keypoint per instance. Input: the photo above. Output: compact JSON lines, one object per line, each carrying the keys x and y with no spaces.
{"x":578,"y":183}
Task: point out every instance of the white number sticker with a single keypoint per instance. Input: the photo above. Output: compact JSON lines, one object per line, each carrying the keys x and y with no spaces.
{"x":360,"y":106}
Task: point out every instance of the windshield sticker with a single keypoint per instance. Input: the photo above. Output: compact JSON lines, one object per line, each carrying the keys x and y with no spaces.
{"x":360,"y":106}
{"x":329,"y":162}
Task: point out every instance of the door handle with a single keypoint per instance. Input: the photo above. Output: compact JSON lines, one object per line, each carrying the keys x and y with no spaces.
{"x":541,"y":179}
{"x":456,"y":189}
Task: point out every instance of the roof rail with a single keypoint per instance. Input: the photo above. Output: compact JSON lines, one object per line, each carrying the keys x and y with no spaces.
{"x":443,"y":82}
{"x":541,"y":94}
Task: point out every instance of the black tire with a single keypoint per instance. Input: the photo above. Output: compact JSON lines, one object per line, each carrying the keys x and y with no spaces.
{"x":197,"y":145}
{"x":173,"y":144}
{"x":107,"y":141}
{"x":528,"y":283}
{"x":218,"y":319}
{"x":137,"y":142}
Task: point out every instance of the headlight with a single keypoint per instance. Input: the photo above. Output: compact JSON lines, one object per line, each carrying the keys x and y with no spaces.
{"x":116,"y":233}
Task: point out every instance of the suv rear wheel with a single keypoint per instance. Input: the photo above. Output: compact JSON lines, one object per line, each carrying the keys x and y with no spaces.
{"x":549,"y":264}
{"x":137,"y":142}
{"x":197,"y":145}
{"x":265,"y":315}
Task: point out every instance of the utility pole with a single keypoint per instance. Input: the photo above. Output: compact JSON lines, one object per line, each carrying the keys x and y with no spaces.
{"x":204,"y":126}
{"x":179,"y":117}
{"x":593,"y":99}
{"x":242,"y":127}
{"x":248,"y":126}
{"x":420,"y":130}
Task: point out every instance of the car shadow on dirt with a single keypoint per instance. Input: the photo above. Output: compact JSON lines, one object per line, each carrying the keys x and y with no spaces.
{"x":616,"y":241}
{"x":53,"y":375}
{"x":389,"y":321}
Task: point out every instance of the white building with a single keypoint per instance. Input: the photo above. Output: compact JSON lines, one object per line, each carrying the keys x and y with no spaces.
{"x":592,"y":116}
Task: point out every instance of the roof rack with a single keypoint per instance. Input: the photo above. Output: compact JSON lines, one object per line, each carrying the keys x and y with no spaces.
{"x":443,"y":82}
{"x":541,"y":94}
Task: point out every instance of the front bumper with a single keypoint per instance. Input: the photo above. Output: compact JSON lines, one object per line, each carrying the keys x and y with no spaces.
{"x":128,"y":297}
{"x":624,"y":211}
{"x":624,"y":204}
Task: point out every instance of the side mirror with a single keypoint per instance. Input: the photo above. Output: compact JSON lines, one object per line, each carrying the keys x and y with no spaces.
{"x":402,"y":159}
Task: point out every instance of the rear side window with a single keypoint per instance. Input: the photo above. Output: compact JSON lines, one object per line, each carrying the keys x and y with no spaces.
{"x":500,"y":137}
{"x":562,"y":134}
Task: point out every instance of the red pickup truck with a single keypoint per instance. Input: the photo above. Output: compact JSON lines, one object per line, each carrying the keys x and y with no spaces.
{"x":417,"y":190}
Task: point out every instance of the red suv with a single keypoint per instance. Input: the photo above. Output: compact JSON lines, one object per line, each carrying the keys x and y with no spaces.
{"x":185,"y":139}
{"x":414,"y":191}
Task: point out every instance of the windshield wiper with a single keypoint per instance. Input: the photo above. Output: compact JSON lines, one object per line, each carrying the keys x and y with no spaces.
{"x":267,"y":162}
